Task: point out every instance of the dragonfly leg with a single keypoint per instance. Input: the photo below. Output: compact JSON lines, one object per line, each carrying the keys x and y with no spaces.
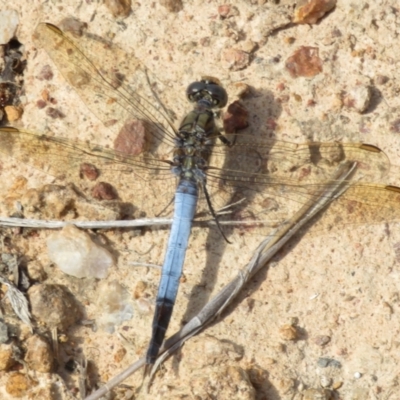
{"x":225,"y":140}
{"x":213,"y":212}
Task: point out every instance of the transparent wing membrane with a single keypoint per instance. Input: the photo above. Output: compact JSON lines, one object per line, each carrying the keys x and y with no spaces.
{"x":263,"y":197}
{"x":61,"y":157}
{"x":104,"y":81}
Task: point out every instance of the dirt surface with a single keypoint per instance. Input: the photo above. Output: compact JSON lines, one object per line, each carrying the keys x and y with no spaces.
{"x":322,"y":321}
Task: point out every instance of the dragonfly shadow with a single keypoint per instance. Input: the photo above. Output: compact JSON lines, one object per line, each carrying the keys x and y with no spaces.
{"x":265,"y":108}
{"x":261,"y":276}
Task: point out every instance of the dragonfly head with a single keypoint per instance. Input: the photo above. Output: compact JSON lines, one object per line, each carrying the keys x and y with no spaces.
{"x":207,"y":90}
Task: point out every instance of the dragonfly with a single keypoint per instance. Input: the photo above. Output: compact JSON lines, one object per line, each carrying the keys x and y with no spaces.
{"x":242,"y":182}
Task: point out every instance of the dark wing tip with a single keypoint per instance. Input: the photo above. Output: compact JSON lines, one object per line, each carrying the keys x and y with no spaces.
{"x":371,"y":148}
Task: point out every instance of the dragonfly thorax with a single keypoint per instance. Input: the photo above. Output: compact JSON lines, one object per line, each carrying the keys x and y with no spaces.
{"x":194,"y":142}
{"x":190,"y":160}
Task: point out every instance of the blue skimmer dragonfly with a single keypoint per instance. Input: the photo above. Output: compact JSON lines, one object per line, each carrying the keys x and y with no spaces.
{"x":247,"y":176}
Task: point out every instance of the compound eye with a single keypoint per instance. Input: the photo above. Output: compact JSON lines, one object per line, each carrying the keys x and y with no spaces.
{"x":218,"y":94}
{"x":194,"y":90}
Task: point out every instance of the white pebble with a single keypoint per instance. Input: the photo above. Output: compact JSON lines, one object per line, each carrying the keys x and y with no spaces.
{"x":325,"y":381}
{"x":358,"y":98}
{"x":74,"y":252}
{"x":357,"y":375}
{"x":9,"y":21}
{"x":114,"y":306}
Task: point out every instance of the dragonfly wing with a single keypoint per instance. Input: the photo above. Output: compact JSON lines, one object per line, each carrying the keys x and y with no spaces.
{"x":112,"y":84}
{"x":267,"y":181}
{"x":141,"y":177}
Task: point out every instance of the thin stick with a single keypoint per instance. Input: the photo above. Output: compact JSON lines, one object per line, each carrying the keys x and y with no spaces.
{"x":134,"y":223}
{"x":37,"y":223}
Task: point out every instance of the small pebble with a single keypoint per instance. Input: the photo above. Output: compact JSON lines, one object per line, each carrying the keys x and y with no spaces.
{"x":310,"y":11}
{"x":114,"y":305}
{"x":45,"y":94}
{"x":324,"y":362}
{"x":322,"y":340}
{"x":119,"y":8}
{"x":257,"y":376}
{"x":297,"y":97}
{"x":224,"y":10}
{"x":358,"y":98}
{"x":288,"y":332}
{"x":43,"y":393}
{"x":269,"y":204}
{"x":119,"y":355}
{"x":357,"y":375}
{"x":62,"y":338}
{"x":285,"y":384}
{"x":235,"y":118}
{"x":13,"y":113}
{"x":289,"y":39}
{"x":6,"y":357}
{"x":325,"y":381}
{"x":76,"y":254}
{"x":88,"y":171}
{"x":35,"y":271}
{"x":46,"y":73}
{"x":172,"y":5}
{"x":17,"y":385}
{"x":234,"y":59}
{"x":40,"y":104}
{"x":54,"y":306}
{"x":73,"y":25}
{"x":8,"y":258}
{"x":131,"y":139}
{"x":104,"y":191}
{"x":336,"y":385}
{"x":3,"y":332}
{"x":381,"y":79}
{"x":140,"y":287}
{"x":205,"y":41}
{"x":248,"y":46}
{"x":39,"y":355}
{"x":304,"y":62}
{"x":395,"y":126}
{"x":9,"y":21}
{"x":144,"y":306}
{"x":25,"y":332}
{"x":54,"y":113}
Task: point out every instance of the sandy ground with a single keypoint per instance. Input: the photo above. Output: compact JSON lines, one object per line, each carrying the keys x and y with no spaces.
{"x":338,"y":288}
